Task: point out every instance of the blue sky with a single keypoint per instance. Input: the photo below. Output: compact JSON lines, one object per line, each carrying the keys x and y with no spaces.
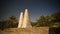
{"x":36,"y":8}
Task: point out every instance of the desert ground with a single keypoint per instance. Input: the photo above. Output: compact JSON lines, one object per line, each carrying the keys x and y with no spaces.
{"x":34,"y":30}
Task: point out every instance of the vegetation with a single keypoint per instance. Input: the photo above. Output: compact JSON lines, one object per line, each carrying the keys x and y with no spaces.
{"x":9,"y":23}
{"x":49,"y":21}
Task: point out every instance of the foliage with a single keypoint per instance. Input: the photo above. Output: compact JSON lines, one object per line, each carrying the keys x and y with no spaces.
{"x":43,"y":21}
{"x":49,"y":20}
{"x":56,"y":16}
{"x":10,"y":23}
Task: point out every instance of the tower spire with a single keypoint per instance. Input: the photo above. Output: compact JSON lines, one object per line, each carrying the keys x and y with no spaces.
{"x":26,"y":21}
{"x":20,"y":20}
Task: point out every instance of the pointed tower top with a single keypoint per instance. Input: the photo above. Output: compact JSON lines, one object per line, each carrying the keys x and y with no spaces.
{"x":26,"y":9}
{"x":21,"y":12}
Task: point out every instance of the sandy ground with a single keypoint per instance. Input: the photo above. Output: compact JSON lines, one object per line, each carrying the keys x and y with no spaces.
{"x":34,"y":30}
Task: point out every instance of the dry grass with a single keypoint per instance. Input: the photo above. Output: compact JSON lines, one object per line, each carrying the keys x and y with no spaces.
{"x":34,"y":30}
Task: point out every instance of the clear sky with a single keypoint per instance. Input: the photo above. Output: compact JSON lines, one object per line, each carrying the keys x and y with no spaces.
{"x":36,"y":8}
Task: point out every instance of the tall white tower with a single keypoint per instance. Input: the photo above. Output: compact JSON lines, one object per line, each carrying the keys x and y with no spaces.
{"x":26,"y":21}
{"x":20,"y":20}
